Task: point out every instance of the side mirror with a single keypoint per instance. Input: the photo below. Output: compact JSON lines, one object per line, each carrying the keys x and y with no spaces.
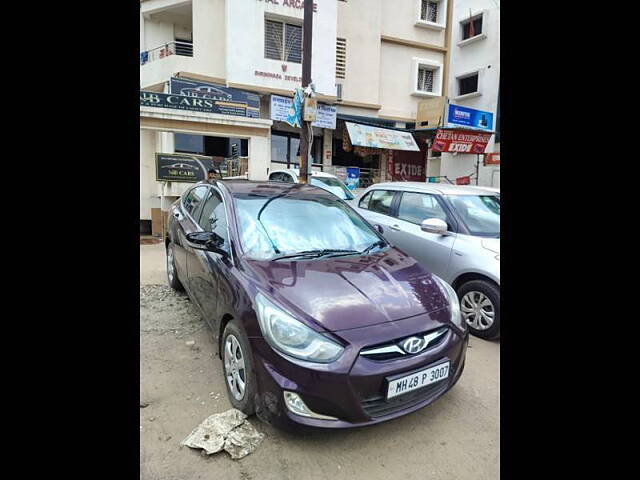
{"x":209,"y":241}
{"x":379,"y":228}
{"x":434,"y":225}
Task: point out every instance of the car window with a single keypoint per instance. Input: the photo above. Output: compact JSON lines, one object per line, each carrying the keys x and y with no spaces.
{"x":332,"y":185}
{"x":214,"y":217}
{"x":364,"y":201}
{"x":417,"y":207}
{"x":480,"y":213}
{"x":381,"y":201}
{"x":275,"y":177}
{"x":194,"y":198}
{"x":286,"y":177}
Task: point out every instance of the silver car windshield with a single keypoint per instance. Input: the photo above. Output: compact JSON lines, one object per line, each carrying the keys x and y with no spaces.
{"x":332,"y":185}
{"x":480,"y":213}
{"x":284,"y":226}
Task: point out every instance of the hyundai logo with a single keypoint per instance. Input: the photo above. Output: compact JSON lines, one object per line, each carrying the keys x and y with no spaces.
{"x":414,"y":344}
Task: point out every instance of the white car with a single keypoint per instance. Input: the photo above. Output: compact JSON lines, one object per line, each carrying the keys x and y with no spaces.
{"x":326,"y":181}
{"x":453,"y":231}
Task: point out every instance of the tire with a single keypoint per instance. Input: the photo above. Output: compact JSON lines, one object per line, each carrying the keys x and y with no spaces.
{"x":172,"y":275}
{"x":480,"y":307}
{"x":234,"y":337}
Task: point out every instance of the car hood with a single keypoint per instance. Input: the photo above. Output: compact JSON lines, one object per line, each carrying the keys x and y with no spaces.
{"x":341,"y":293}
{"x":492,"y":244}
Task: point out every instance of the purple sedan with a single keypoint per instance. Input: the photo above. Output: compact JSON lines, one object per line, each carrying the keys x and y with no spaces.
{"x":319,"y":320}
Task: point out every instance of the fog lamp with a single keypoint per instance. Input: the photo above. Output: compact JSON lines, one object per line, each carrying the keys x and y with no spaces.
{"x":295,"y":404}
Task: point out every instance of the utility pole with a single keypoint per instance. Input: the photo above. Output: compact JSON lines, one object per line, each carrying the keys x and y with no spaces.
{"x":307,"y":36}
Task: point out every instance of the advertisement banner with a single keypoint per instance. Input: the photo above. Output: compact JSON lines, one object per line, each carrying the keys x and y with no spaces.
{"x":367,"y":136}
{"x":236,"y":102}
{"x":325,"y":114}
{"x":405,"y":166}
{"x":178,"y":167}
{"x":194,"y":104}
{"x":460,"y":141}
{"x":469,"y":117}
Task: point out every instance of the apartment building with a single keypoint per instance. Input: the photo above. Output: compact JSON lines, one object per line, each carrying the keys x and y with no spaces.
{"x":220,"y":74}
{"x":474,"y":82}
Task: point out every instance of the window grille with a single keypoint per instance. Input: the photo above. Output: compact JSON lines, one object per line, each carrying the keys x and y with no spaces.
{"x":425,"y":79}
{"x":282,"y":41}
{"x":429,"y":11}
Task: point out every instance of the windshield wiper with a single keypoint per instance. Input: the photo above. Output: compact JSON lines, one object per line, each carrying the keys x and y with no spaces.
{"x":379,"y":243}
{"x":317,"y":253}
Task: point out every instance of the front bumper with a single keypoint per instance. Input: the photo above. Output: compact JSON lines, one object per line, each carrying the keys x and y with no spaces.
{"x":353,"y":388}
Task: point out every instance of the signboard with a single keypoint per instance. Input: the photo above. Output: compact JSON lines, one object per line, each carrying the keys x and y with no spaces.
{"x":231,"y":100}
{"x":460,"y":141}
{"x":310,"y":109}
{"x":469,"y":117}
{"x":430,"y":112}
{"x":492,"y":159}
{"x":325,"y":114}
{"x":178,"y":167}
{"x":367,"y":136}
{"x":403,"y":166}
{"x":463,"y":180}
{"x":194,"y":104}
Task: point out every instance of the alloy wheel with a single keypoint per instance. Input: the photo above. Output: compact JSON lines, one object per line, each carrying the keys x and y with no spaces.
{"x":234,"y":368}
{"x":477,"y":310}
{"x":170,"y":267}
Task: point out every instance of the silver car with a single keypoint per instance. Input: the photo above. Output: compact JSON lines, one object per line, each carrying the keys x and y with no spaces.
{"x":452,"y":230}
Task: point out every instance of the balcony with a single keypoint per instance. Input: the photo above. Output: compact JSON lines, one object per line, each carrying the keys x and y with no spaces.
{"x":184,"y":49}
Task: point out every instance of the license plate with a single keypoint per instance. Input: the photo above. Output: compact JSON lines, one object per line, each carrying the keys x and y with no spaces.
{"x":419,"y":379}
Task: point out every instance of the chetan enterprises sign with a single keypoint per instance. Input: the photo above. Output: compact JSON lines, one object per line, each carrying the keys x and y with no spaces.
{"x":194,"y":104}
{"x":460,"y":141}
{"x":172,"y":167}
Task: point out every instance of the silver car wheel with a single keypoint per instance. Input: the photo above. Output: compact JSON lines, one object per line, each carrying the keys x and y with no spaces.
{"x":477,"y":310}
{"x":170,"y":268}
{"x":234,"y":367}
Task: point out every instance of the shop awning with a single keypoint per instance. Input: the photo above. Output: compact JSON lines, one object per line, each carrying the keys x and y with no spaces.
{"x":376,"y":137}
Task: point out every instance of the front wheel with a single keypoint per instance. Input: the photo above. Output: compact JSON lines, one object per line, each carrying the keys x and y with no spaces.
{"x":480,"y":307}
{"x":172,"y":276}
{"x":239,"y":375}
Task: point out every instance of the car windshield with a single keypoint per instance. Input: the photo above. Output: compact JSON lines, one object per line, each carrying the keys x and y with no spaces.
{"x":282,"y":226}
{"x":332,"y":185}
{"x":480,"y":213}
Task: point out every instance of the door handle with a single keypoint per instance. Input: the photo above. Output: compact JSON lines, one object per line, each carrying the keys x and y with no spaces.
{"x":395,"y":227}
{"x":177,"y":214}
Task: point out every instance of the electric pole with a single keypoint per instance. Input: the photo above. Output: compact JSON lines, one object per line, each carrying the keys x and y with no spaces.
{"x":307,"y":36}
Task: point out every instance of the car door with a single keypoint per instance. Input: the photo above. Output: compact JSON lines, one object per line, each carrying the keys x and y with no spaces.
{"x":432,"y":250}
{"x":207,"y":269}
{"x":186,"y":224}
{"x":376,"y":207}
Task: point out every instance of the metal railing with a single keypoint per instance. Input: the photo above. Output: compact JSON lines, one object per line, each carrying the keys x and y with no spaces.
{"x":184,"y":49}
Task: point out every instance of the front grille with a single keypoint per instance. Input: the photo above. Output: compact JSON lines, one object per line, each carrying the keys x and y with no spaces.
{"x":393,"y":349}
{"x":379,"y":406}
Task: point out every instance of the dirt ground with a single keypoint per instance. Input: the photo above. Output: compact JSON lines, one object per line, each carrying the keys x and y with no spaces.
{"x":457,"y":437}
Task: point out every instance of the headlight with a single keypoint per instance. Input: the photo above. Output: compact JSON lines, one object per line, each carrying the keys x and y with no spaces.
{"x":454,"y":303}
{"x":288,"y":335}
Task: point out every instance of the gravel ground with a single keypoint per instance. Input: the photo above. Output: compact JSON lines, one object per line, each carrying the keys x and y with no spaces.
{"x":457,"y":437}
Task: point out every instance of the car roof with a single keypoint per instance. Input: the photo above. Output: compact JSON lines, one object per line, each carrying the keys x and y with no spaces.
{"x":266,"y":189}
{"x":437,"y":188}
{"x":296,"y":172}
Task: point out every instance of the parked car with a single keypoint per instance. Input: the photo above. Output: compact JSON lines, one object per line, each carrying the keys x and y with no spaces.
{"x":454,"y":231}
{"x":329,"y":182}
{"x":319,"y":321}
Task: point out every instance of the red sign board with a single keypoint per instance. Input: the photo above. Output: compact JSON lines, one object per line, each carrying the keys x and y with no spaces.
{"x":492,"y":159}
{"x":407,"y":166}
{"x":460,"y":141}
{"x":463,"y":180}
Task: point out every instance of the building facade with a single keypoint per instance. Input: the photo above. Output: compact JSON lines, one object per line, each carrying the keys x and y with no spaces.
{"x":373,"y":61}
{"x":474,"y":82}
